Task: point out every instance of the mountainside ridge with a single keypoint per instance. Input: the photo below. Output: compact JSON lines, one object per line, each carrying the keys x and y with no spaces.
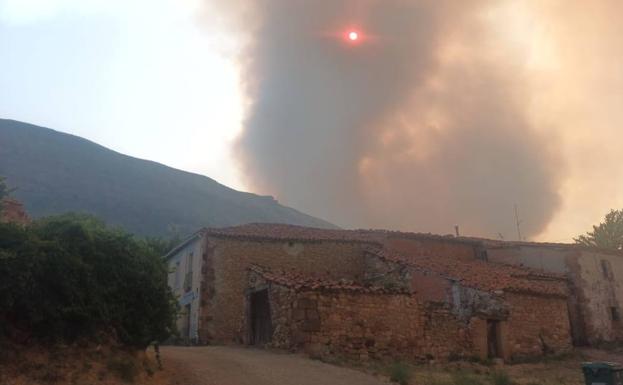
{"x":55,"y":172}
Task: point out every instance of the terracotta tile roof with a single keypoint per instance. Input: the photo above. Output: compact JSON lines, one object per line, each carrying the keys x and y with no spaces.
{"x":300,"y":281}
{"x":482,"y":275}
{"x":273,"y":231}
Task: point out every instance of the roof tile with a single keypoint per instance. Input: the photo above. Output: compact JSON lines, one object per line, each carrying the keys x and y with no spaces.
{"x":300,"y":281}
{"x":483,"y":275}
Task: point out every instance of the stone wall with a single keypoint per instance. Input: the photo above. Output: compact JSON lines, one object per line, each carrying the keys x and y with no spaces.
{"x":359,"y":326}
{"x":597,"y":277}
{"x":593,"y":293}
{"x":536,"y":325}
{"x":225,"y":275}
{"x":547,"y":258}
{"x":430,"y":247}
{"x":362,"y":326}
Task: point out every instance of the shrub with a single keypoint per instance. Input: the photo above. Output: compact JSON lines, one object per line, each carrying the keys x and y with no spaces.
{"x":478,"y":360}
{"x":124,"y":369}
{"x":400,"y":373}
{"x":71,"y":276}
{"x":500,"y":378}
{"x":461,"y":378}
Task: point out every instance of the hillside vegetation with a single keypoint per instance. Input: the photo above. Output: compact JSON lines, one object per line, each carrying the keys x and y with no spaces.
{"x":56,"y":173}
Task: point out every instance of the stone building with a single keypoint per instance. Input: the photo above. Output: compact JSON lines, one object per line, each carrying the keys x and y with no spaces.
{"x":595,"y":282}
{"x":364,"y":294}
{"x":13,"y":211}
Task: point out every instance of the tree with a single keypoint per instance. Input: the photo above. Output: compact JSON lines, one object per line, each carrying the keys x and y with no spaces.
{"x":606,"y":235}
{"x":4,"y":191}
{"x":161,"y":245}
{"x":71,"y":276}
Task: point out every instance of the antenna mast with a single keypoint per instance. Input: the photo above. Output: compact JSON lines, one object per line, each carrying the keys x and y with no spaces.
{"x":518,"y":223}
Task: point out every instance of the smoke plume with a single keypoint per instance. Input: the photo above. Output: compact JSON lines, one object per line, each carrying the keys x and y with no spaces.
{"x":422,"y":124}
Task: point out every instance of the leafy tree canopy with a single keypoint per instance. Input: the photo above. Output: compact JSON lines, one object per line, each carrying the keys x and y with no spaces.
{"x":606,"y":235}
{"x":71,"y":276}
{"x":4,"y":191}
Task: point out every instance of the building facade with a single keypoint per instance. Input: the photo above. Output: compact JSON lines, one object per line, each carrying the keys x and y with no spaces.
{"x":594,"y":278}
{"x":364,"y":294}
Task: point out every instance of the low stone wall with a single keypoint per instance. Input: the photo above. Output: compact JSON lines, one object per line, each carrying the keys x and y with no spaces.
{"x":362,"y":326}
{"x":381,"y":326}
{"x":537,"y":325}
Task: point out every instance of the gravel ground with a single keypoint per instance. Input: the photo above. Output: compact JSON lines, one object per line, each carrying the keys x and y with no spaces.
{"x":220,"y":365}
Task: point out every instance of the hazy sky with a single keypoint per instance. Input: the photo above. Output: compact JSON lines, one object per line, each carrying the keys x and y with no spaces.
{"x":160,"y":80}
{"x":142,"y":77}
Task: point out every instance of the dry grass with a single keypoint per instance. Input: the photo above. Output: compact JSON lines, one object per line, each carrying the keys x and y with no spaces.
{"x":80,"y":366}
{"x":562,"y":370}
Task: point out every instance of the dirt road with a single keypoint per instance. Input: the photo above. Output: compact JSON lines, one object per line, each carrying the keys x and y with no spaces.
{"x":218,"y":365}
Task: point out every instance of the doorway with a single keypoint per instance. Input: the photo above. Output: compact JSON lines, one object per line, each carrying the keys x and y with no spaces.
{"x":185,"y":323}
{"x":494,"y":349}
{"x":260,"y":321}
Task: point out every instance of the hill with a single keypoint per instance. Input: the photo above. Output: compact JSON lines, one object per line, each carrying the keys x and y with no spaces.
{"x":56,"y":173}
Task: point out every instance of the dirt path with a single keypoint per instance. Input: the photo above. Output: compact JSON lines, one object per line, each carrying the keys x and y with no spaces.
{"x":218,"y":365}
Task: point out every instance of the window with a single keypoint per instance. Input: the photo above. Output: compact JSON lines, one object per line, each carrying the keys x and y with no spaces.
{"x":606,"y":269}
{"x":177,"y":274}
{"x":188,"y":278}
{"x":614,"y":314}
{"x":189,"y":263}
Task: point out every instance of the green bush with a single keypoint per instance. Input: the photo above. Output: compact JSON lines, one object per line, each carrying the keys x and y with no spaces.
{"x":70,"y":276}
{"x":124,"y":369}
{"x":400,"y":373}
{"x":461,"y":378}
{"x":500,"y":377}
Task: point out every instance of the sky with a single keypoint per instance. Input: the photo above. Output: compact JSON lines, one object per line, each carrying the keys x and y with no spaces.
{"x":142,"y":77}
{"x":511,"y":87}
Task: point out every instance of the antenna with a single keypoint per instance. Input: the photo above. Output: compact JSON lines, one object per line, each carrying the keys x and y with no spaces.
{"x":518,"y":223}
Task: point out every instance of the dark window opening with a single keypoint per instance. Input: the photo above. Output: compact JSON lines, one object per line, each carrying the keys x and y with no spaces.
{"x":261,"y":323}
{"x":614,"y":314}
{"x":606,"y":269}
{"x":494,"y":349}
{"x":188,"y":278}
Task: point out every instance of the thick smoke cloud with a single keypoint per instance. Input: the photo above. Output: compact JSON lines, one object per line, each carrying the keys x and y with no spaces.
{"x":420,"y":126}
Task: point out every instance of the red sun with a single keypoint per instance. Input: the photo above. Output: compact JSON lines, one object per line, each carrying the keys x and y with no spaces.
{"x":353,"y":35}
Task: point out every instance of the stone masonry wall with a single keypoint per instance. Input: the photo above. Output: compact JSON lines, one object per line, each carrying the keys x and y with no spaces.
{"x":362,"y":326}
{"x":597,"y":277}
{"x":225,"y":272}
{"x":536,"y":325}
{"x":430,"y":247}
{"x":593,"y":293}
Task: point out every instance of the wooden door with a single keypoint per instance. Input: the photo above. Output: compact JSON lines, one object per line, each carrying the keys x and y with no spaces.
{"x":261,"y":324}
